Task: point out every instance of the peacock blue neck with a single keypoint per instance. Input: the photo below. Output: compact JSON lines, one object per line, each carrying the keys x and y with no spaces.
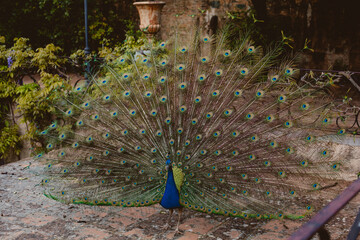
{"x":171,"y":195}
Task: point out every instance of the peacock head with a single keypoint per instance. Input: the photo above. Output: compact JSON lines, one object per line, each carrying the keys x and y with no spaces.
{"x":168,"y":164}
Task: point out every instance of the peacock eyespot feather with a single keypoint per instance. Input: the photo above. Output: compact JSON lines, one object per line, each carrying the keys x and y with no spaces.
{"x":126,"y":76}
{"x":238,"y":93}
{"x":267,"y":163}
{"x":206,"y":39}
{"x":163,"y":99}
{"x":65,"y":171}
{"x":171,"y":141}
{"x":146,"y":77}
{"x":304,"y":163}
{"x":252,"y":157}
{"x":61,"y":154}
{"x":163,"y":63}
{"x":310,"y":138}
{"x":201,"y":78}
{"x":217,"y":152}
{"x":120,"y":150}
{"x":214,"y":168}
{"x":62,"y":136}
{"x":69,"y":112}
{"x":315,"y":186}
{"x":245,"y":192}
{"x":203,"y":152}
{"x":282,"y":174}
{"x":304,"y":106}
{"x":289,"y":71}
{"x":273,"y":144}
{"x":187,"y":143}
{"x":104,"y":82}
{"x":43,"y":132}
{"x":122,"y":60}
{"x":95,"y":117}
{"x":268,"y":193}
{"x":215,"y":93}
{"x":153,"y":113}
{"x":251,"y":49}
{"x":158,"y":133}
{"x":180,"y":67}
{"x":162,"y":79}
{"x":198,"y":137}
{"x":183,"y":109}
{"x":228,"y":112}
{"x":209,"y":115}
{"x":132,"y":112}
{"x":194,"y":121}
{"x":244,"y":176}
{"x":260,"y":94}
{"x":326,"y":120}
{"x":218,"y":72}
{"x":281,"y":98}
{"x":227,"y":53}
{"x":341,"y":132}
{"x":162,"y":44}
{"x":325,"y":153}
{"x":335,"y":166}
{"x":183,"y":49}
{"x":180,"y":130}
{"x":249,"y":116}
{"x":216,"y":134}
{"x":197,"y":99}
{"x":235,"y":133}
{"x":229,"y":168}
{"x":124,"y":132}
{"x":137,"y":148}
{"x":89,"y":139}
{"x":288,"y":124}
{"x":106,"y":97}
{"x":274,"y":78}
{"x":75,"y":145}
{"x":126,"y":94}
{"x":292,"y":192}
{"x":40,"y":155}
{"x":145,"y":60}
{"x":289,"y":150}
{"x":254,"y":138}
{"x":244,"y":71}
{"x":178,"y":153}
{"x":105,"y":153}
{"x":204,"y":59}
{"x":148,"y":94}
{"x":182,"y":85}
{"x":235,"y":153}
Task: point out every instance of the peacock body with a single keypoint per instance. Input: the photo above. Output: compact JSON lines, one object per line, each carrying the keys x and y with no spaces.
{"x":197,"y":125}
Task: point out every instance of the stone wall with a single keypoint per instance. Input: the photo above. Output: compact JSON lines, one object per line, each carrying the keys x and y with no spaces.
{"x":331,"y":26}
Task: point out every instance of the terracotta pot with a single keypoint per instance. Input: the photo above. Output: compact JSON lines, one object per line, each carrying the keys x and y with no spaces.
{"x":149,"y":16}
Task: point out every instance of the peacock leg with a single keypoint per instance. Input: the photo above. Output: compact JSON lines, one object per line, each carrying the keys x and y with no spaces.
{"x":177,"y":227}
{"x":167,"y":225}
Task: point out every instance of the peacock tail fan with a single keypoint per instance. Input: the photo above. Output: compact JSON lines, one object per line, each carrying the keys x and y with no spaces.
{"x":247,"y":137}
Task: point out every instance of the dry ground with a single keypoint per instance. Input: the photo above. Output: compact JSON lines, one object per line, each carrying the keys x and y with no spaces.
{"x":25,"y":213}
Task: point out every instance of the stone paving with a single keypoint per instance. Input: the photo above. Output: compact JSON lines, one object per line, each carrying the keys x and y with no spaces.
{"x":25,"y":213}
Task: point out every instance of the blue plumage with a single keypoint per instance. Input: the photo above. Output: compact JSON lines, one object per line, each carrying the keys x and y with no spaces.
{"x":171,"y":195}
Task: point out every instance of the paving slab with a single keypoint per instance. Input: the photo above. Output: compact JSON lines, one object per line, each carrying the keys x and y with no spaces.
{"x":25,"y":213}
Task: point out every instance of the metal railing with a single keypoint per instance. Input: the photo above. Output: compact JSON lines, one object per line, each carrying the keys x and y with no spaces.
{"x":316,"y":223}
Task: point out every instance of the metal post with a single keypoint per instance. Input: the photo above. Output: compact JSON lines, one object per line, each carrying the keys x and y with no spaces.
{"x":87,"y":48}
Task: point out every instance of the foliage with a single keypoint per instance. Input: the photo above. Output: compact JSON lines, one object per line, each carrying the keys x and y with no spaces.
{"x":32,"y":102}
{"x":32,"y":18}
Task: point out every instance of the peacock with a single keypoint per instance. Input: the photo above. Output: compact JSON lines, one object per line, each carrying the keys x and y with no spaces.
{"x":205,"y":123}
